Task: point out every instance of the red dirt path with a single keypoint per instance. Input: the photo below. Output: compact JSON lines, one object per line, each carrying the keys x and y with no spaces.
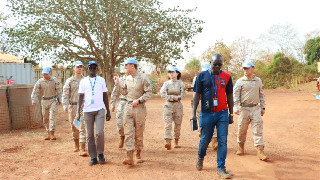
{"x":291,"y":134}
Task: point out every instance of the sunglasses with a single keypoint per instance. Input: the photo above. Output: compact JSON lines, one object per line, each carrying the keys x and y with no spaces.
{"x":92,"y":68}
{"x":218,"y":64}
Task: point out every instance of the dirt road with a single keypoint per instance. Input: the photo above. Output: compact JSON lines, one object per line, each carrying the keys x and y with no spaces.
{"x":291,"y":133}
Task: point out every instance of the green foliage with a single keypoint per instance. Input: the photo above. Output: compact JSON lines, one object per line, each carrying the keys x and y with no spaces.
{"x":284,"y":71}
{"x":154,"y":86}
{"x":106,"y":31}
{"x":194,"y":66}
{"x":312,"y":50}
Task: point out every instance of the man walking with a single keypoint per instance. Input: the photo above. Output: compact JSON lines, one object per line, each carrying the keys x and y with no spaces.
{"x":249,"y":104}
{"x":120,"y":109}
{"x":70,"y":101}
{"x":214,"y":87}
{"x":93,"y":91}
{"x":137,"y":89}
{"x":50,"y":91}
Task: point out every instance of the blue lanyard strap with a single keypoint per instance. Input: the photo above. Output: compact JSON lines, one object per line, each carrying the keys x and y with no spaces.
{"x":215,"y":86}
{"x":92,"y":87}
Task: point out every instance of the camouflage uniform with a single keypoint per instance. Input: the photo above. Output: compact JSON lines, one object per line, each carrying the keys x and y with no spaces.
{"x":136,"y":87}
{"x":120,"y":106}
{"x":249,"y":99}
{"x":49,"y":92}
{"x":69,"y":101}
{"x":173,"y":110}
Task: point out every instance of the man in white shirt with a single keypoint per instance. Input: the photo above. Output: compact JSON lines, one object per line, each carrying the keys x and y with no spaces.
{"x":93,"y":91}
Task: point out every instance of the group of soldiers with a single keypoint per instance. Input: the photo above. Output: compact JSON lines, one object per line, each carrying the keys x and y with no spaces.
{"x":245,"y":99}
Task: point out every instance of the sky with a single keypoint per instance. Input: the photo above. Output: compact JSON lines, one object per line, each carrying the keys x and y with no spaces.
{"x":229,"y":19}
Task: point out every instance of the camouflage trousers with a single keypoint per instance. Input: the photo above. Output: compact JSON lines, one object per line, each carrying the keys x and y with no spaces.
{"x":134,"y":123}
{"x":251,"y":115}
{"x":214,"y":135}
{"x":172,"y":113}
{"x":119,"y":116}
{"x":49,"y":113}
{"x":72,"y":112}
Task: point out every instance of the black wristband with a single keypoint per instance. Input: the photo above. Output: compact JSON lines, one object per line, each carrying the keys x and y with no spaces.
{"x":140,"y":102}
{"x":263,"y":108}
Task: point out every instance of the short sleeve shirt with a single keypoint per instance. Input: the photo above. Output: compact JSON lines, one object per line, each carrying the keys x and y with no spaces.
{"x":205,"y":85}
{"x":93,"y":89}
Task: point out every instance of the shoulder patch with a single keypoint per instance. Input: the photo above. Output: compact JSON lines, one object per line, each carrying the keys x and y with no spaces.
{"x":238,"y":84}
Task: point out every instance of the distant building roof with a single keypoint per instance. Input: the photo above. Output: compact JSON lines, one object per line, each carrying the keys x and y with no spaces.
{"x":8,"y":58}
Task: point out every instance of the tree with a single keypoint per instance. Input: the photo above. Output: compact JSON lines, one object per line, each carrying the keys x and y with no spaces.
{"x":221,"y":49}
{"x":282,"y":38}
{"x":106,"y":31}
{"x":312,"y":50}
{"x":242,"y":50}
{"x":194,"y":66}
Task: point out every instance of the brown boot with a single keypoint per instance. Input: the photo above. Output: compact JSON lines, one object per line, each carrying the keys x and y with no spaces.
{"x":52,"y":137}
{"x":129,"y":159}
{"x":168,"y":144}
{"x":83,"y":152}
{"x":261,"y":154}
{"x":47,"y":137}
{"x":121,"y":142}
{"x":240,"y":150}
{"x":138,"y":157}
{"x":76,"y":145}
{"x":214,"y":142}
{"x":176,"y":143}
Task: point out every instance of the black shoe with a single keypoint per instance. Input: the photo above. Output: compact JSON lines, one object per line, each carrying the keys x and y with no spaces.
{"x":199,"y":164}
{"x":102,"y":160}
{"x":93,"y":161}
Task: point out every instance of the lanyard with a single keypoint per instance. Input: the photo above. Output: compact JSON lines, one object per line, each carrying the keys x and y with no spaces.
{"x":92,"y":87}
{"x":215,"y":86}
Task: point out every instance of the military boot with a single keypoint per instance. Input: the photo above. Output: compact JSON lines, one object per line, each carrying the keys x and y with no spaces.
{"x":121,"y":142}
{"x":52,"y":137}
{"x":129,"y":159}
{"x":261,"y":154}
{"x":47,"y":137}
{"x":168,"y":144}
{"x":76,"y":145}
{"x":240,"y":150}
{"x":214,"y":142}
{"x":138,"y":157}
{"x":83,"y":150}
{"x":176,"y":143}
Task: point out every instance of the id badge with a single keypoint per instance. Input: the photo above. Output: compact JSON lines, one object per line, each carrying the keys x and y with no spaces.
{"x":215,"y":101}
{"x":92,"y":101}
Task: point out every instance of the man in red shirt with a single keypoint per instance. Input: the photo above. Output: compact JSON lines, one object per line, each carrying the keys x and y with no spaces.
{"x":215,"y":89}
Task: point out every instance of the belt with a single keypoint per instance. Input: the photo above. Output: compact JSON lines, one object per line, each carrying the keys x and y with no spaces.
{"x":73,"y":103}
{"x":173,"y":101}
{"x":248,"y":105}
{"x":123,"y":99}
{"x":48,"y":98}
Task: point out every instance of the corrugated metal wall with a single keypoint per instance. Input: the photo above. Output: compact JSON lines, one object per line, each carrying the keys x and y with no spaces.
{"x":22,"y":73}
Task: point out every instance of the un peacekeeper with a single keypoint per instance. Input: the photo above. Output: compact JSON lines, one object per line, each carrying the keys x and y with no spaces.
{"x":48,"y":88}
{"x":205,"y":67}
{"x":120,"y":109}
{"x":137,"y":89}
{"x":70,"y":101}
{"x":249,"y":104}
{"x":173,"y":91}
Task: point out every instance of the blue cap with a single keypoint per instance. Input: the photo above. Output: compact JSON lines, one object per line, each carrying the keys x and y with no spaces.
{"x":205,"y":66}
{"x":130,"y":61}
{"x":173,"y":69}
{"x":92,"y":63}
{"x":46,"y":70}
{"x":247,"y":64}
{"x":78,"y":63}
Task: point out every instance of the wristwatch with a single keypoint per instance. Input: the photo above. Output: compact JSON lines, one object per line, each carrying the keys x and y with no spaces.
{"x":231,"y":115}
